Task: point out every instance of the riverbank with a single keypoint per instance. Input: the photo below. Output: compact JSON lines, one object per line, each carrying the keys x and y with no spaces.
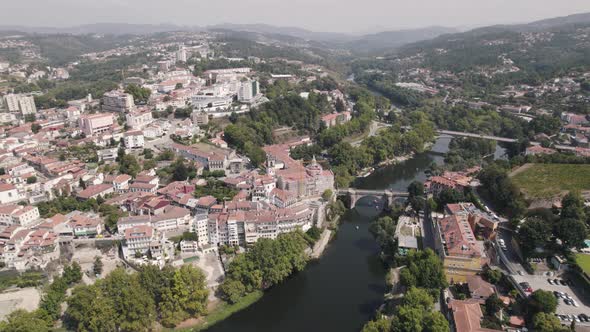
{"x":321,"y":244}
{"x":388,"y":162}
{"x":219,"y":312}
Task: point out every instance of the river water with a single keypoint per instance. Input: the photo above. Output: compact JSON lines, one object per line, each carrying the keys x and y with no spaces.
{"x":342,"y":290}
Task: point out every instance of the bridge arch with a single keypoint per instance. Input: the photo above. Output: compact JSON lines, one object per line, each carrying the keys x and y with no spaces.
{"x":387,"y":195}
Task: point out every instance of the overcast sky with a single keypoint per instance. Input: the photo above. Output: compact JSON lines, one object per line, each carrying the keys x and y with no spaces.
{"x":318,"y":15}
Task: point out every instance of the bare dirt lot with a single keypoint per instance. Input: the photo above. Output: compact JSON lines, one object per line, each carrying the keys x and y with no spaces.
{"x":25,"y":298}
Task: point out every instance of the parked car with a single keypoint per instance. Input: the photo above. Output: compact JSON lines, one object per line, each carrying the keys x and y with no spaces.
{"x":550,"y":282}
{"x":562,"y":282}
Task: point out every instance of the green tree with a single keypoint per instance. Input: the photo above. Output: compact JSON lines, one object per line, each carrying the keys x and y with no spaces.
{"x":24,"y":321}
{"x":140,"y":95}
{"x":31,"y":179}
{"x":419,"y":298}
{"x":232,"y":290}
{"x":35,"y":127}
{"x":493,"y":276}
{"x":134,"y":308}
{"x":544,"y":322}
{"x":572,"y":206}
{"x":416,"y":196}
{"x":187,"y":296}
{"x":378,"y":325}
{"x":542,"y":301}
{"x":179,"y":171}
{"x":97,"y":266}
{"x":436,"y":322}
{"x":572,"y":232}
{"x":90,"y":310}
{"x":72,"y":273}
{"x":30,"y":118}
{"x":493,"y":304}
{"x":128,"y":164}
{"x":255,"y":153}
{"x":408,"y":319}
{"x":327,"y":195}
{"x":533,"y":233}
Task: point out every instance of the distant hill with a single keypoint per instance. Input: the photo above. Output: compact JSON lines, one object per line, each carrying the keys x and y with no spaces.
{"x":392,"y":39}
{"x":538,"y":49}
{"x":100,"y":28}
{"x":287,"y":31}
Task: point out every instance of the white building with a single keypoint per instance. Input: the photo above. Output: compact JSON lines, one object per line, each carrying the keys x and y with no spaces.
{"x":9,"y":193}
{"x":20,"y":103}
{"x":248,"y":91}
{"x":96,"y":123}
{"x":139,"y":119}
{"x":133,"y":140}
{"x":117,"y":101}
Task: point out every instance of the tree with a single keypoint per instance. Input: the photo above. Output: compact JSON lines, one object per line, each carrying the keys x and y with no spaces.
{"x":148,"y":153}
{"x":24,"y":321}
{"x":30,"y":118}
{"x":178,"y":86}
{"x":179,"y":171}
{"x":128,"y":164}
{"x":232,"y":290}
{"x":140,"y":95}
{"x":408,"y":319}
{"x":493,"y":304}
{"x":378,"y":325}
{"x":544,"y":322}
{"x":327,"y":195}
{"x":416,"y":196}
{"x":255,"y":153}
{"x":187,"y":296}
{"x":424,"y":269}
{"x":32,"y":179}
{"x":573,"y":206}
{"x":97,"y":266}
{"x":340,"y":106}
{"x":492,"y":275}
{"x":418,"y":298}
{"x":534,"y":233}
{"x":90,"y":310}
{"x":572,"y":232}
{"x":35,"y":127}
{"x":436,"y":322}
{"x":72,"y":273}
{"x":134,"y":308}
{"x":542,"y":301}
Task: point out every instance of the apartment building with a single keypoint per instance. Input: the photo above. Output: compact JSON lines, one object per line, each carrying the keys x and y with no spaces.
{"x":95,"y":124}
{"x":133,"y":140}
{"x":139,"y":119}
{"x":117,"y":101}
{"x":20,"y":103}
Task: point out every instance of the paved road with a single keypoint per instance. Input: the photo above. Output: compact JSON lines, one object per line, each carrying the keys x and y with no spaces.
{"x":510,"y":253}
{"x":427,"y":231}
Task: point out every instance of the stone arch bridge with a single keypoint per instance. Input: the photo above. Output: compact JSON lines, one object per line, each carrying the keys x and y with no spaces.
{"x":355,"y":194}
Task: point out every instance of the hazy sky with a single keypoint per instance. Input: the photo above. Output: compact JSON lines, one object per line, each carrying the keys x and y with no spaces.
{"x":318,"y":15}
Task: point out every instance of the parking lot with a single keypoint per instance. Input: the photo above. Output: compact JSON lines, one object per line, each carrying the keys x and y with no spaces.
{"x":572,"y":290}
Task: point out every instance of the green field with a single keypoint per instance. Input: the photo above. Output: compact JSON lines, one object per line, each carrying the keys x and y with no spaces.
{"x":584,"y":261}
{"x":548,"y":180}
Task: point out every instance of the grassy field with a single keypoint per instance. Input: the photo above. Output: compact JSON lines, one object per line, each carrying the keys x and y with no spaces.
{"x":548,"y":180}
{"x":584,"y":261}
{"x":223,"y":311}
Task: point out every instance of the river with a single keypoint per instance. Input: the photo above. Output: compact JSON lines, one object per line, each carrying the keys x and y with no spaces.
{"x":342,"y":290}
